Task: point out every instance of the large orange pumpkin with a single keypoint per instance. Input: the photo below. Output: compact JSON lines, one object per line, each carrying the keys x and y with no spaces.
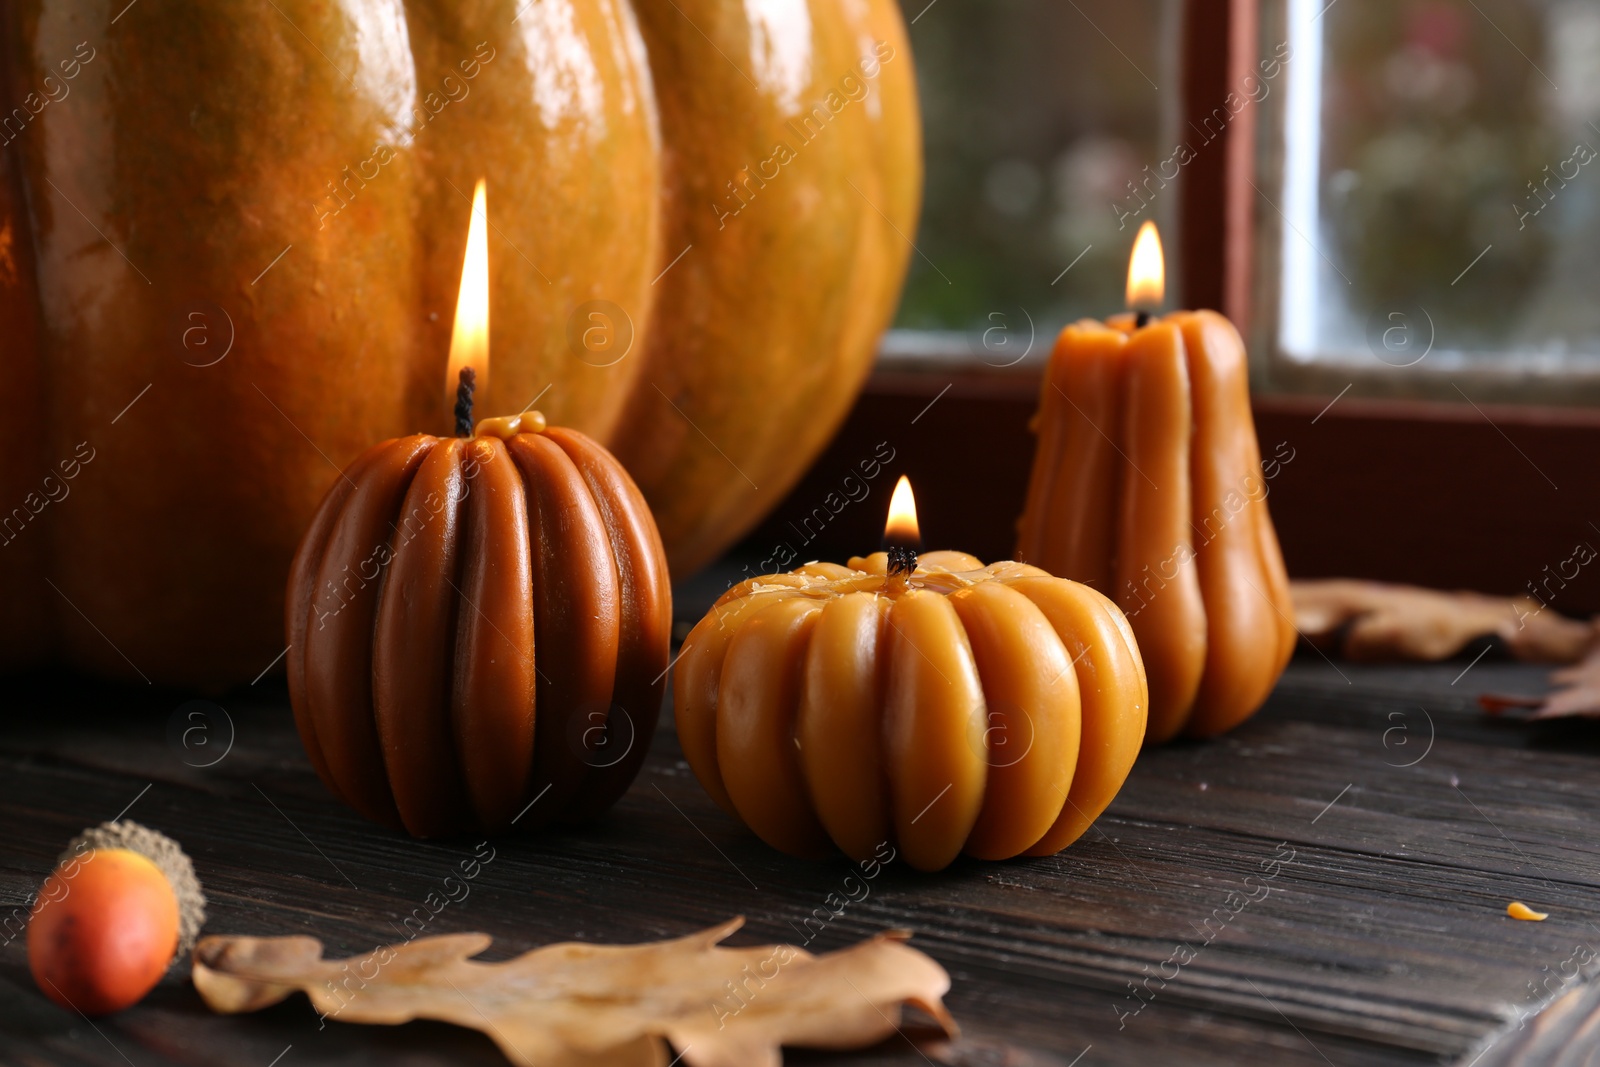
{"x":230,"y":239}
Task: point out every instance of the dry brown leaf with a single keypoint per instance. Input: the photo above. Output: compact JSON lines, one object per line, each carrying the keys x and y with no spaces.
{"x":1380,"y":621}
{"x":611,"y":1005}
{"x":1576,"y":694}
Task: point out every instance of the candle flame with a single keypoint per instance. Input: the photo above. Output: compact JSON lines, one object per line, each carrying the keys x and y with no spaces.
{"x":1147,"y":270}
{"x":469,"y":337}
{"x":902,"y":529}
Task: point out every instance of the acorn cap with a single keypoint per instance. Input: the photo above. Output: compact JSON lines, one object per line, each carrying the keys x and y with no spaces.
{"x":165,"y":853}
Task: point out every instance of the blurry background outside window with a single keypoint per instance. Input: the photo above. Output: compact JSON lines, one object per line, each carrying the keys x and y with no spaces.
{"x":1040,"y":117}
{"x":1440,"y":183}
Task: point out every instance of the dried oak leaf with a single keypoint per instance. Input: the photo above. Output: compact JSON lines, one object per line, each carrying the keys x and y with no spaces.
{"x":1380,"y":621}
{"x":1576,"y":694}
{"x":613,"y":1005}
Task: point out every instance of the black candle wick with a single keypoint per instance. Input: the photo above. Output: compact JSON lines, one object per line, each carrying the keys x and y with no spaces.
{"x":902,"y":559}
{"x":464,"y":388}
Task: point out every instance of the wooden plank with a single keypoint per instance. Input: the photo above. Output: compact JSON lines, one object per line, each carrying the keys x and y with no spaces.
{"x":1567,"y":1031}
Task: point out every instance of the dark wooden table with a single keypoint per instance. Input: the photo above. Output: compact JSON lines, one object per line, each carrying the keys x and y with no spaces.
{"x":1401,"y":822}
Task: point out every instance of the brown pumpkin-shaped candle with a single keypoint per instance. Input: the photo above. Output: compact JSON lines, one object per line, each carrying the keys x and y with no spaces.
{"x":479,"y":625}
{"x":927,"y":703}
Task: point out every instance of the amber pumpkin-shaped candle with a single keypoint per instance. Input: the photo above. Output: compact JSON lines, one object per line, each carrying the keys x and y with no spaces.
{"x":479,"y":625}
{"x":1147,"y":485}
{"x":938,"y":705}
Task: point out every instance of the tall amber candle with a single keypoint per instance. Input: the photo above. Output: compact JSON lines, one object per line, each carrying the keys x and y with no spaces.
{"x":1147,"y":485}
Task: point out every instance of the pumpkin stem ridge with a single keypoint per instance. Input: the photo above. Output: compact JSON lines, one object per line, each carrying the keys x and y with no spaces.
{"x":464,"y":388}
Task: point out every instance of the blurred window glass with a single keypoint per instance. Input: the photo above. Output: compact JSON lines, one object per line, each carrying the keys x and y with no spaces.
{"x":1438,"y":163}
{"x":1039,"y":118}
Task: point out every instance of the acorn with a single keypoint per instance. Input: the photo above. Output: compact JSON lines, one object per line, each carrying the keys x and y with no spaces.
{"x":121,"y":905}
